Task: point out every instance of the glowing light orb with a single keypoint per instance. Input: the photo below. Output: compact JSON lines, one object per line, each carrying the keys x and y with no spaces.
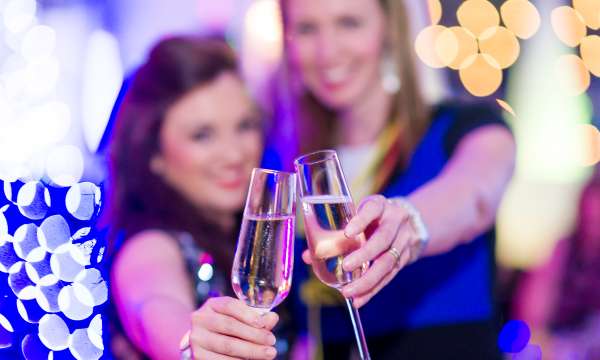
{"x":467,"y":46}
{"x":33,"y":200}
{"x":590,"y":11}
{"x":568,"y":25}
{"x":477,"y":16}
{"x":64,"y":165}
{"x":482,"y":76}
{"x":435,"y":11}
{"x":501,"y":44}
{"x":571,"y":74}
{"x":521,"y":17}
{"x":590,"y":53}
{"x":53,"y":332}
{"x":54,"y":232}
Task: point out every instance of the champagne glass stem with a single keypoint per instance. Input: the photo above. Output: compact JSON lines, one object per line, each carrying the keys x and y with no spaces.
{"x":358,"y":331}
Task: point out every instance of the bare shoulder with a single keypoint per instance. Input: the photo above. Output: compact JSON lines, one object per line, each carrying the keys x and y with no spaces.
{"x":153,"y":244}
{"x":147,"y":252}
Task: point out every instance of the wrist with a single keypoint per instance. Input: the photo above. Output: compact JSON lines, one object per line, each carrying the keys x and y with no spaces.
{"x":417,"y":224}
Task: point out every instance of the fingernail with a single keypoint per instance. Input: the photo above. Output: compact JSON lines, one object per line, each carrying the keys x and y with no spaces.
{"x":350,"y":230}
{"x":270,"y":352}
{"x":271,"y":339}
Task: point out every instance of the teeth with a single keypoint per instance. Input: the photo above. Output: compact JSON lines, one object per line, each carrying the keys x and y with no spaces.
{"x":335,"y":75}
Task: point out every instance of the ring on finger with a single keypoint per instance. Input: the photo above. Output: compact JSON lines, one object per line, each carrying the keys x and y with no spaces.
{"x":395,"y":254}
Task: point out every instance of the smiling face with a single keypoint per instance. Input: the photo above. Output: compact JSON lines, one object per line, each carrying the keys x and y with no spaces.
{"x":210,"y":140}
{"x":336,"y":46}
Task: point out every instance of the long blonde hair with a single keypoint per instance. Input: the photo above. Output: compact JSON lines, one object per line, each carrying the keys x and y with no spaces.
{"x":317,"y":123}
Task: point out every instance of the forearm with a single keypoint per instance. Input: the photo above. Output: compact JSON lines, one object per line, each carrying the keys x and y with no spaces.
{"x":463,"y":201}
{"x":161,"y":323}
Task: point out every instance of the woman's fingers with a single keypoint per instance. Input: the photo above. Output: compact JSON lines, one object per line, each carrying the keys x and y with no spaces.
{"x":229,"y":326}
{"x":380,"y":274}
{"x":237,"y":309}
{"x":306,"y":257}
{"x":205,"y":340}
{"x":203,"y":354}
{"x":370,"y":209}
{"x":379,"y":242}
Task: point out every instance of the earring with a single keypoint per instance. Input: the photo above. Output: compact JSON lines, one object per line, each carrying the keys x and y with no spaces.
{"x":390,"y":80}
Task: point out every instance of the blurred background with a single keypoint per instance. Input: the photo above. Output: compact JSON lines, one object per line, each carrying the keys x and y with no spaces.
{"x":63,"y":64}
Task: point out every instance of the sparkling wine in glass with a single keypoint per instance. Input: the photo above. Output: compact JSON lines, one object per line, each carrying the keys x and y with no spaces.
{"x":263,"y":262}
{"x":328,"y":207}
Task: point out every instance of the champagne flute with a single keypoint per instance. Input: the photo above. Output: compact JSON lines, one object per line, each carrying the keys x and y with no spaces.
{"x":263,"y":262}
{"x":328,"y":207}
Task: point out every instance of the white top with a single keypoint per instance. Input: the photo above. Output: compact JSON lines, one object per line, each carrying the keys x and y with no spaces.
{"x":355,"y":160}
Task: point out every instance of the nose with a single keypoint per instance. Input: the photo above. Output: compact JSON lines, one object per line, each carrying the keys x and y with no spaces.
{"x":328,"y":47}
{"x":231,"y":152}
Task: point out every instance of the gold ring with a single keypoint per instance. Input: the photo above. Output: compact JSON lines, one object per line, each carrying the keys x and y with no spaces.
{"x":396,"y":254}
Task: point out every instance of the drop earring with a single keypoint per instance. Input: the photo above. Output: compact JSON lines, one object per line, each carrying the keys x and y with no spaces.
{"x":390,"y":80}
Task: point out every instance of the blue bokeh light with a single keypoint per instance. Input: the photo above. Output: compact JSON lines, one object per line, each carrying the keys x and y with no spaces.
{"x":514,"y":336}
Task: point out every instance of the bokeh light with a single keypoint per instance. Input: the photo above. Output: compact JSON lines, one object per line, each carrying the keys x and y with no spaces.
{"x":571,"y":74}
{"x":19,"y":14}
{"x":482,"y":75}
{"x":514,"y":336}
{"x":6,"y":332}
{"x":81,"y":347}
{"x":590,"y":52}
{"x":64,"y":165}
{"x":466,"y":46}
{"x":53,"y":332}
{"x":33,"y":200}
{"x":38,"y":43}
{"x":436,"y":46}
{"x":54,"y":232}
{"x":434,"y":8}
{"x":568,"y":25}
{"x":477,"y":16}
{"x":263,"y":30}
{"x":521,"y":17}
{"x":83,"y":200}
{"x":501,"y":44}
{"x":590,"y":11}
{"x":590,"y":144}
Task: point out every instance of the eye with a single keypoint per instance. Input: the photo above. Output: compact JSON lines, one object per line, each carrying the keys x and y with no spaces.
{"x":250,"y":123}
{"x":305,"y":28}
{"x":350,"y":22}
{"x":202,"y":134}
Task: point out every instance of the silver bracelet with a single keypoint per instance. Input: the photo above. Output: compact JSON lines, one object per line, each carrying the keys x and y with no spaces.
{"x":417,"y":223}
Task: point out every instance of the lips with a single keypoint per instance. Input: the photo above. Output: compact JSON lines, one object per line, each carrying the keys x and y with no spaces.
{"x":231,"y":184}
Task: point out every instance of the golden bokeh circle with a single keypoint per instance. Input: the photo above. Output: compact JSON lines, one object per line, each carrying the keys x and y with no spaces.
{"x":590,"y":11}
{"x":590,"y":53}
{"x":429,"y":49}
{"x":589,"y":138}
{"x":446,"y":46}
{"x":435,"y":11}
{"x":568,"y":25}
{"x":481,"y":76}
{"x":477,"y":16}
{"x":571,"y":74}
{"x":467,"y":46}
{"x":521,"y":17}
{"x":501,"y":44}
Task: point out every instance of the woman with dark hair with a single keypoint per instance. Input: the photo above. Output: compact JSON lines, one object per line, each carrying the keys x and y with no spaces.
{"x":186,"y":139}
{"x":560,"y":299}
{"x":439,"y":172}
